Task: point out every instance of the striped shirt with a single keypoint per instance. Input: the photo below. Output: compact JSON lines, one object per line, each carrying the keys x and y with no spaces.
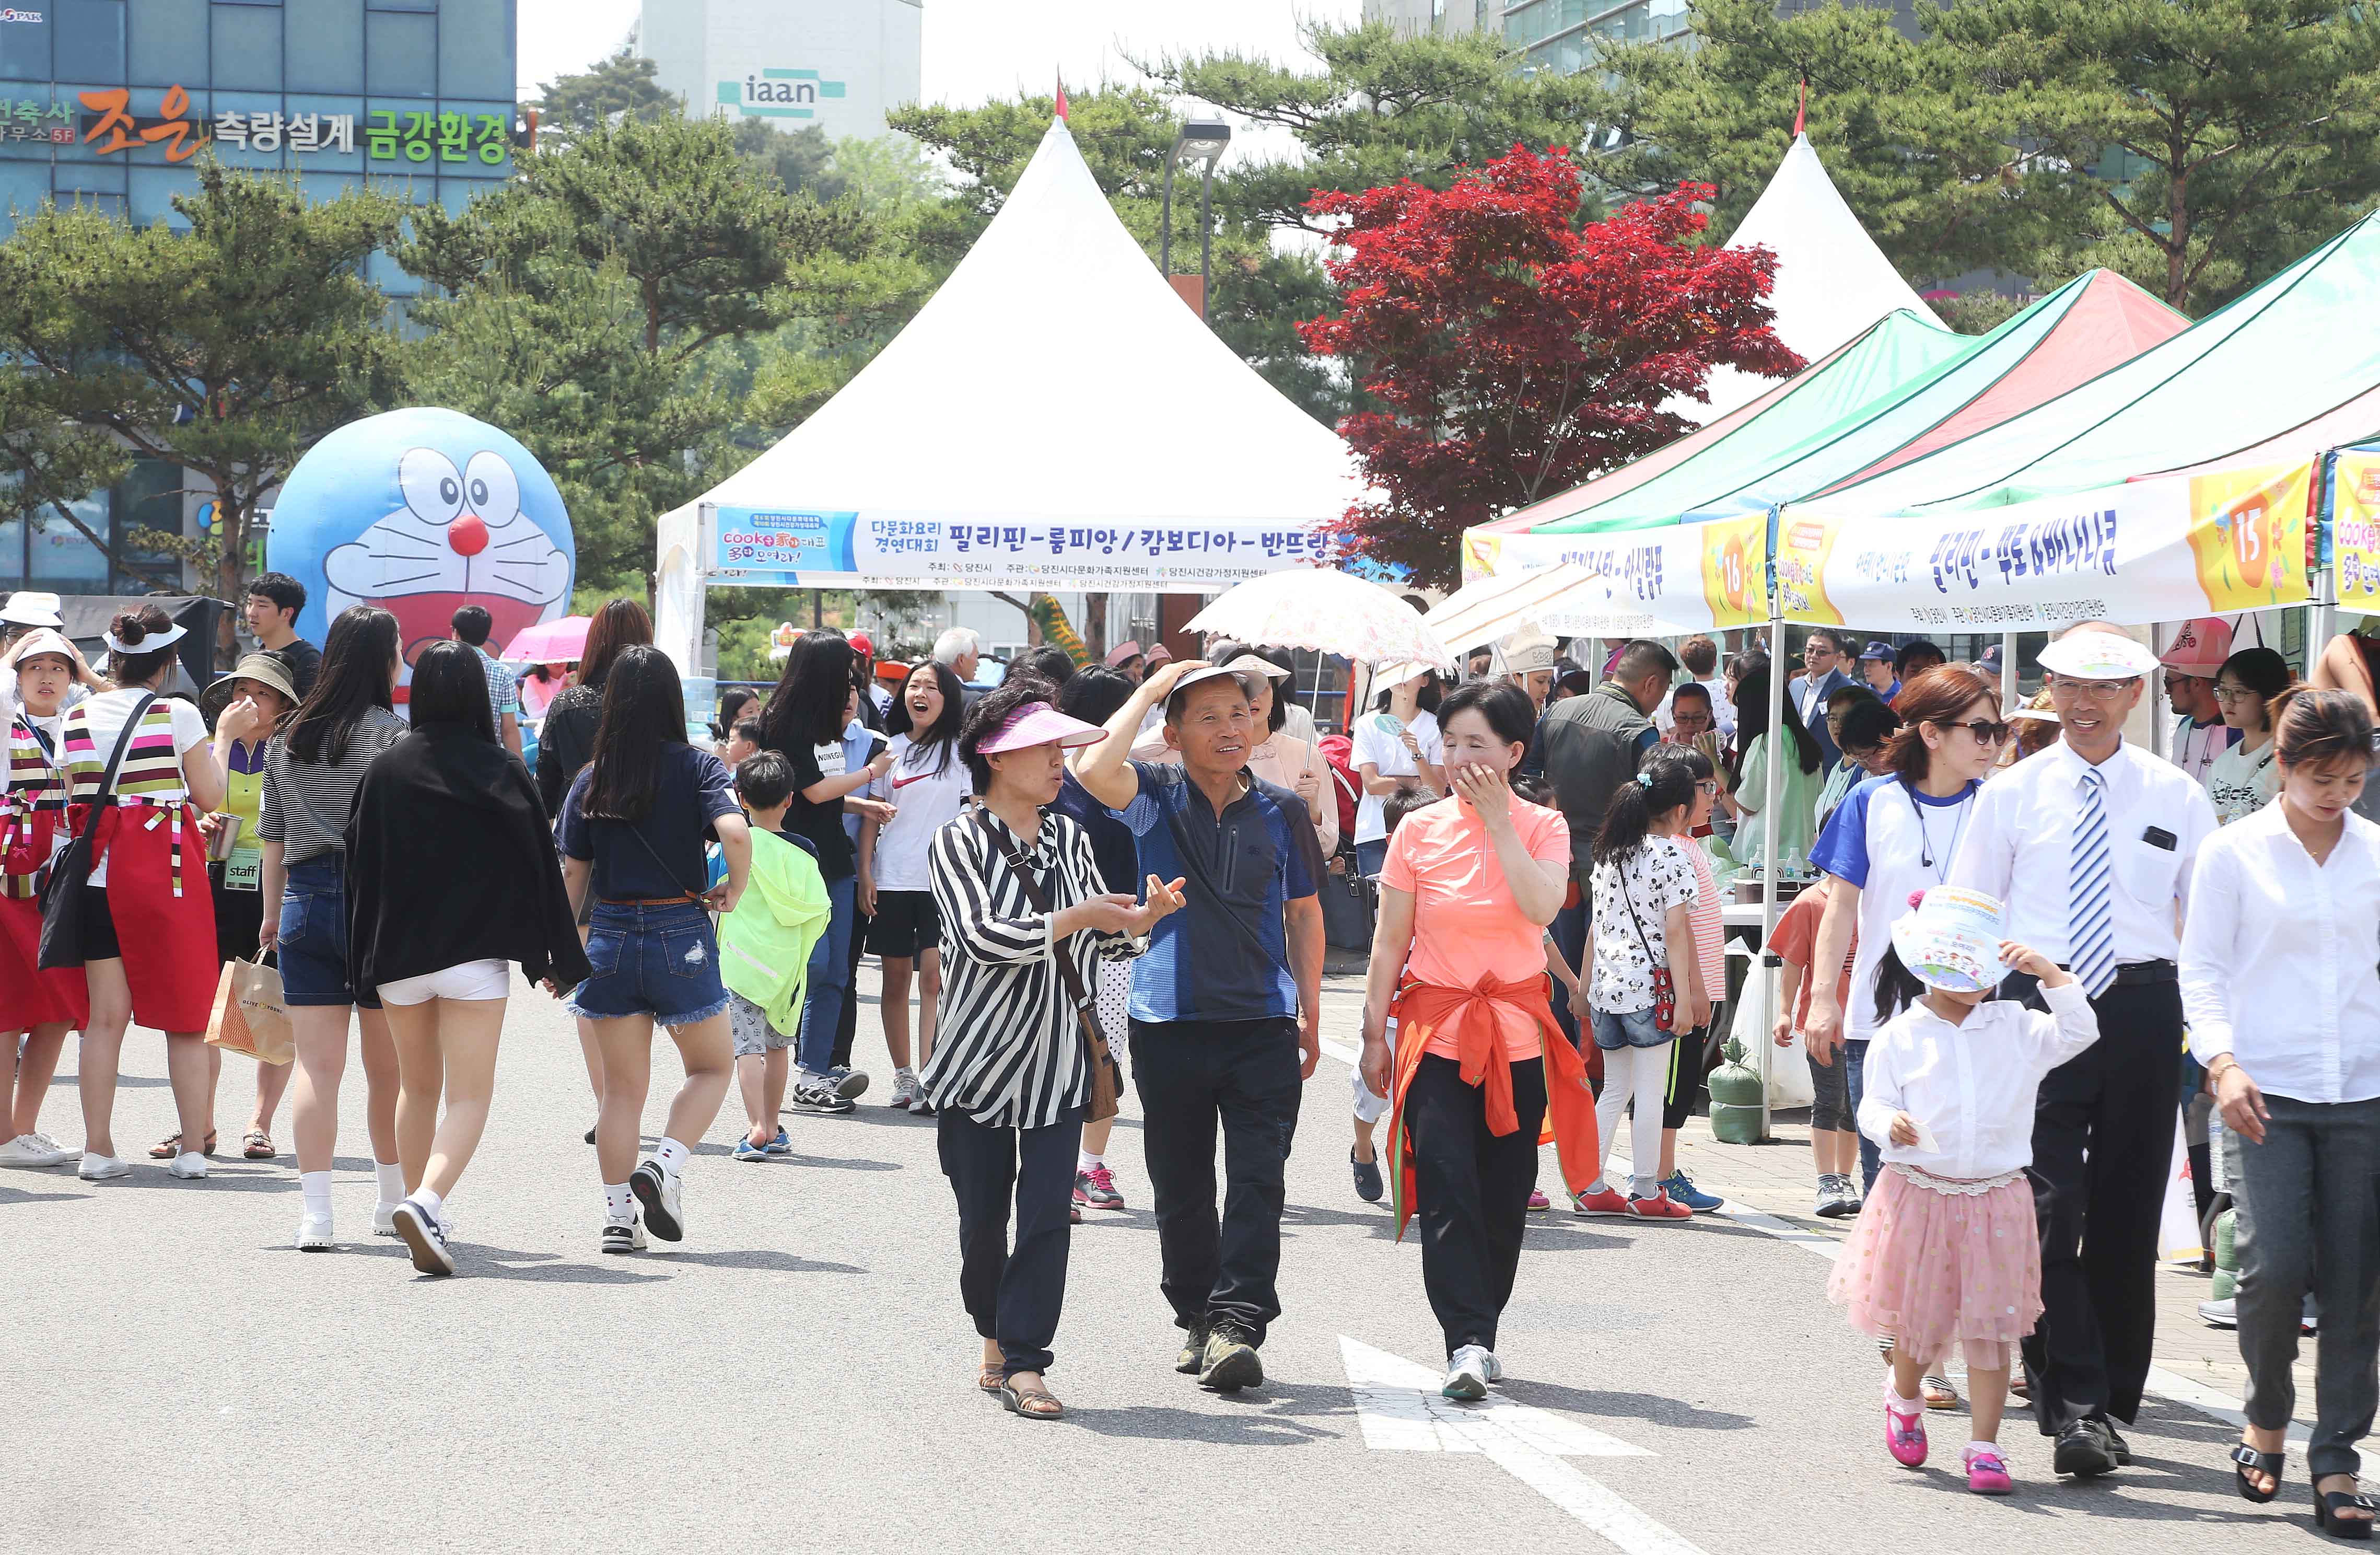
{"x":33,"y":804}
{"x":503,"y":692}
{"x":303,"y":800}
{"x":1009,"y":1053}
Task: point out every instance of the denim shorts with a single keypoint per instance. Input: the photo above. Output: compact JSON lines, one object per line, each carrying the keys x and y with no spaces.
{"x":660,"y":960}
{"x":313,"y":943}
{"x":1635,"y":1029}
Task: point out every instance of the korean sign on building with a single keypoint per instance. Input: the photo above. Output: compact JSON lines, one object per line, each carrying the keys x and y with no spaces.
{"x":110,"y":122}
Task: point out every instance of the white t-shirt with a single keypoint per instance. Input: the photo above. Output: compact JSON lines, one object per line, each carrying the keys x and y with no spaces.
{"x":1652,"y":880}
{"x":105,"y":716}
{"x":1889,"y":840}
{"x":924,"y":799}
{"x":1383,"y":746}
{"x":2241,"y":783}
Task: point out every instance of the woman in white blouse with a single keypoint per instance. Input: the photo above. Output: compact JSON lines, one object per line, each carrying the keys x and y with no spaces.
{"x":2278,"y":979}
{"x":2242,"y":778}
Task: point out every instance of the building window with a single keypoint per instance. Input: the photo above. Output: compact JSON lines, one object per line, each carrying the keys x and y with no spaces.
{"x":25,"y":53}
{"x":91,"y":41}
{"x":403,"y":5}
{"x":401,"y":55}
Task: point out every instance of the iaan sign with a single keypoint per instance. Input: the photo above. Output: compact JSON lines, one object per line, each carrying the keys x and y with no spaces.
{"x":782,"y":94}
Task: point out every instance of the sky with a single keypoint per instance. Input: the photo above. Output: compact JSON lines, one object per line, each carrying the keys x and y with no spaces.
{"x":976,"y":50}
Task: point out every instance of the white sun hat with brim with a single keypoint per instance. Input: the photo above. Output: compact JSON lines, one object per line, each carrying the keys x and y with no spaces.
{"x":2097,"y":656}
{"x":32,"y":607}
{"x":1950,"y":938}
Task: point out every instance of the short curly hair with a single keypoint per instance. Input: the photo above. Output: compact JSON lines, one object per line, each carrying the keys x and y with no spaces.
{"x":984,"y":720}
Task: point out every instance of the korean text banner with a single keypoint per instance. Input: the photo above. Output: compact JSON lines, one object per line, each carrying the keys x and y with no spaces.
{"x":2355,"y":529}
{"x":799,"y":548}
{"x":2159,"y":550}
{"x":1679,"y":578}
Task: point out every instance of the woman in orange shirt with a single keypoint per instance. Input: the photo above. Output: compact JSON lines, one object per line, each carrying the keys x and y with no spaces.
{"x":1466,"y":891}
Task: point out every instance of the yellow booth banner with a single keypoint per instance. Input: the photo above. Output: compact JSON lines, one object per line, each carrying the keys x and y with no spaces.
{"x":1655,"y":582}
{"x":2159,"y":550}
{"x":2355,"y":531}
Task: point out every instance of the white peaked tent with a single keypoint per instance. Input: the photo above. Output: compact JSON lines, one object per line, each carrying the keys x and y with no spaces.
{"x":1055,"y":417}
{"x":1832,"y":281}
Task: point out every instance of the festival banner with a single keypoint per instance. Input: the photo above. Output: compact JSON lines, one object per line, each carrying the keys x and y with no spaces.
{"x":1655,"y":582}
{"x":2159,"y":550}
{"x":799,"y":548}
{"x":2355,"y":529}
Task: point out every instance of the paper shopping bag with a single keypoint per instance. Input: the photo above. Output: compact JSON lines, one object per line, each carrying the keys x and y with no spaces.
{"x":249,"y":1017}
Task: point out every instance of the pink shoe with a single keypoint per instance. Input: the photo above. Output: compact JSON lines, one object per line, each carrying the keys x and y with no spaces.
{"x":1904,"y":1433}
{"x":1986,"y":1475}
{"x":1537,"y":1200}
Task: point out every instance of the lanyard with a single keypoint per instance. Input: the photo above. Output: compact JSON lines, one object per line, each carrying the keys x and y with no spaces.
{"x":1940,"y":872}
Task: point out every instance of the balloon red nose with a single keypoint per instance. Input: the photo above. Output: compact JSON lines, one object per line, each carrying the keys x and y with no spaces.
{"x":467,"y":536}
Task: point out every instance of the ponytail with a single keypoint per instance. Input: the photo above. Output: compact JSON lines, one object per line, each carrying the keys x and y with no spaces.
{"x":1663,"y":783}
{"x":1897,"y":987}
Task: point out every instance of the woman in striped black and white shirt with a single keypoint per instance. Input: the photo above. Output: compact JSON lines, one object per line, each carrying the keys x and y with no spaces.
{"x":1009,"y":1077}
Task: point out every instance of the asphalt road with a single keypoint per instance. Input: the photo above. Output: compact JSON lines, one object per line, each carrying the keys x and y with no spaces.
{"x":800,"y":1375}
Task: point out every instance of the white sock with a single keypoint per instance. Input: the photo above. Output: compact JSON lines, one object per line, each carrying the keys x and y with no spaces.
{"x":671,"y":1155}
{"x":430,"y":1203}
{"x":316,"y":1187}
{"x":1086,"y":1162}
{"x":1991,"y":1447}
{"x":392,"y":1181}
{"x":619,"y":1204}
{"x":1907,"y":1406}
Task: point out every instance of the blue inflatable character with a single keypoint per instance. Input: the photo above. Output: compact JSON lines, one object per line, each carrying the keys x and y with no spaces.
{"x":421,"y":512}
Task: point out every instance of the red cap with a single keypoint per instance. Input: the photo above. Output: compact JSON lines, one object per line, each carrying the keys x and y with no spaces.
{"x":864,"y":644}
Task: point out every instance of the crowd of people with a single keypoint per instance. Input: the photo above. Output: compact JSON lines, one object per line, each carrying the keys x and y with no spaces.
{"x":1113,"y":874}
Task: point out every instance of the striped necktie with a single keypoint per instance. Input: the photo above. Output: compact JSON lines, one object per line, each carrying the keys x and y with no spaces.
{"x":2090,"y":920}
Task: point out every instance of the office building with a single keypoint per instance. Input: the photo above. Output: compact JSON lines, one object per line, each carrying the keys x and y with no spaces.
{"x":108,"y":103}
{"x":839,"y":65}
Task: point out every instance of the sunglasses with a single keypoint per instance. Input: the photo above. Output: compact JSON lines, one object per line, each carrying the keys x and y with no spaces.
{"x":1984,"y":730}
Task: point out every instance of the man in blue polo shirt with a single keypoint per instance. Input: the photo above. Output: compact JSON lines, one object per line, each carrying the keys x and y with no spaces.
{"x":1226,"y":1005}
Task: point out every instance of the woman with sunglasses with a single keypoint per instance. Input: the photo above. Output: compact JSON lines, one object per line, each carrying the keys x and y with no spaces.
{"x":1894,"y":835}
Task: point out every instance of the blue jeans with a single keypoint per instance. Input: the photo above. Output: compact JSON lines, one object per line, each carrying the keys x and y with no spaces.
{"x":1370,"y":855}
{"x":658,"y":960}
{"x":1633,"y":1029}
{"x":313,"y":936}
{"x":830,"y":974}
{"x":1854,"y":1059}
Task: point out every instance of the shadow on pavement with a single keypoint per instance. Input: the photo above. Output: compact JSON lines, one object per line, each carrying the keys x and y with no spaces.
{"x":767,"y":1259}
{"x":1591,"y":1402}
{"x":1271,"y":1415}
{"x":26,"y":1196}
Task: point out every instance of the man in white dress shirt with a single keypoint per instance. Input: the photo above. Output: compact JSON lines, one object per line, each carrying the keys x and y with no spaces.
{"x":2090,"y":844}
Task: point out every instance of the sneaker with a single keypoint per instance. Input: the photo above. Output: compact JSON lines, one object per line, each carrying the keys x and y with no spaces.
{"x":2224,"y":1314}
{"x":1537,"y":1200}
{"x":1904,"y":1434}
{"x":590,"y":1134}
{"x":384,"y":1220}
{"x":425,"y":1237}
{"x":1661,"y":1207}
{"x":1229,"y":1362}
{"x":1835,"y":1199}
{"x":1466,"y":1372}
{"x":747,"y":1151}
{"x":780,"y":1146}
{"x":623,"y":1237}
{"x":1097,"y":1188}
{"x":905,"y":1089}
{"x":661,"y":1197}
{"x":102,"y":1168}
{"x":1193,"y":1348}
{"x":923,"y":1107}
{"x":1986,"y":1475}
{"x":1369,"y":1185}
{"x":314,"y":1234}
{"x":848,"y":1084}
{"x":817,"y":1094}
{"x":1073,"y":1214}
{"x":190,"y":1166}
{"x":32,"y":1149}
{"x":1682,"y":1190}
{"x":1604,"y":1203}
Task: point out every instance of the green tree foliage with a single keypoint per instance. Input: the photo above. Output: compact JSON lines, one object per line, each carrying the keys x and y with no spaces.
{"x":228,"y":348}
{"x":619,"y":88}
{"x":594,"y":306}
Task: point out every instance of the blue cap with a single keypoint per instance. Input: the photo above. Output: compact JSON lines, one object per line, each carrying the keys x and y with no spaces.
{"x":1877,"y":649}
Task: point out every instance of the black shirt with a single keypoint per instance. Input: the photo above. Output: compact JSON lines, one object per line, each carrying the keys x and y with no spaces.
{"x":305,"y":661}
{"x":821,"y":824}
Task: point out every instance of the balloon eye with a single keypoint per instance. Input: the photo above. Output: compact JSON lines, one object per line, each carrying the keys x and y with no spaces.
{"x":478,"y":494}
{"x":448,"y":490}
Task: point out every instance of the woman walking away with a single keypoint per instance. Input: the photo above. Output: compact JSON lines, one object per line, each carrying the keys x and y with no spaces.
{"x":1011,"y":1079}
{"x":146,"y":923}
{"x":39,"y":1006}
{"x":260,"y":694}
{"x":926,"y":785}
{"x":452,"y":876}
{"x":1466,"y":891}
{"x":2242,"y":779}
{"x":632,"y":834}
{"x":804,"y":724}
{"x":566,"y":740}
{"x":1798,"y":780}
{"x":1645,"y":986}
{"x":2284,"y":1004}
{"x":1944,"y":1254}
{"x":311,"y":772}
{"x":1093,"y":697}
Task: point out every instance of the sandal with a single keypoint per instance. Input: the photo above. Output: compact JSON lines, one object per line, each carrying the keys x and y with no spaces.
{"x":1033,"y":1404}
{"x":2243,"y":1458}
{"x":257,"y":1146}
{"x":171,"y":1145}
{"x":1937,"y":1393}
{"x":2329,"y":1509}
{"x":990,"y":1379}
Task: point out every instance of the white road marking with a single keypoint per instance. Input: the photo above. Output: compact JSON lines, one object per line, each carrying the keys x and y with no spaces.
{"x":1401,"y":1409}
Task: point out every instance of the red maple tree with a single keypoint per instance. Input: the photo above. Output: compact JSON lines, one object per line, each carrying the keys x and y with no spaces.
{"x":1519,"y":351}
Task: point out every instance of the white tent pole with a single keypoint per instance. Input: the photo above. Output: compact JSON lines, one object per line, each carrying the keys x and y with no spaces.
{"x":2010,"y":696}
{"x":1766,"y":969}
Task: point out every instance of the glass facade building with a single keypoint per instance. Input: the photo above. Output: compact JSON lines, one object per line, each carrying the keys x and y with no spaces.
{"x":109,"y":102}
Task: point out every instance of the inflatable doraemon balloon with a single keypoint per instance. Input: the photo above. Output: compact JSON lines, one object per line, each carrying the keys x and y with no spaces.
{"x":421,"y":512}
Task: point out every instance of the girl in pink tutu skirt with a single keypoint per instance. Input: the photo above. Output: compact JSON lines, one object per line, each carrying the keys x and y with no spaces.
{"x":1945,"y":1255}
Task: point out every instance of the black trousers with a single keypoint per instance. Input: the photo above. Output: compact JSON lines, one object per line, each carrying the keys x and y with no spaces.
{"x":1194,"y":1077}
{"x":2102,"y":1151}
{"x":1471,"y":1192}
{"x":1013,"y":1294}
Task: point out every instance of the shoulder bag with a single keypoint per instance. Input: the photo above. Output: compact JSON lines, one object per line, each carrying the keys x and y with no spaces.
{"x":61,"y":892}
{"x":1107,"y":1076}
{"x":1665,"y":988}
